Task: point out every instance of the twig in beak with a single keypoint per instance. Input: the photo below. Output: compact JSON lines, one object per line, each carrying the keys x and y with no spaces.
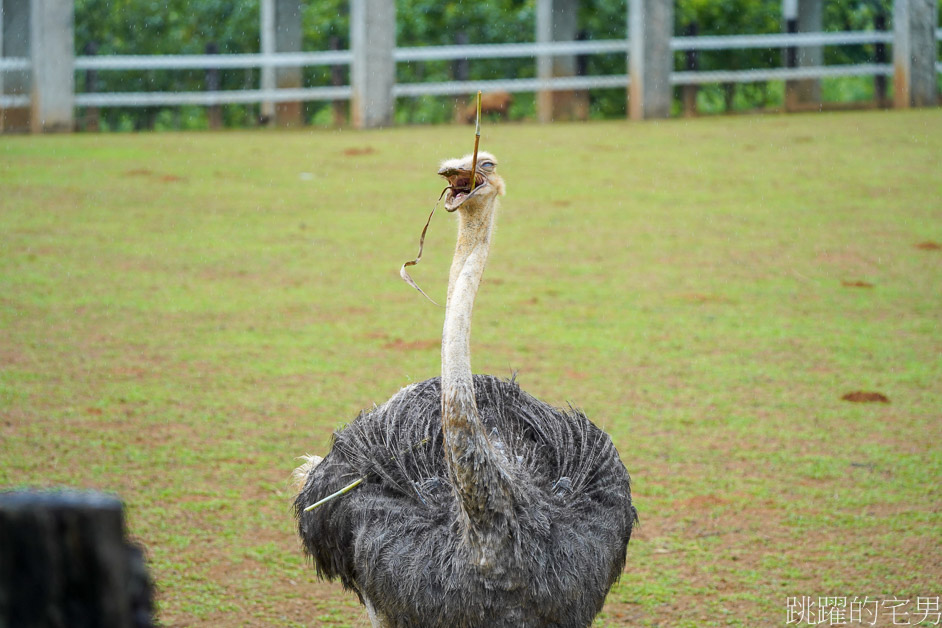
{"x":477,"y":140}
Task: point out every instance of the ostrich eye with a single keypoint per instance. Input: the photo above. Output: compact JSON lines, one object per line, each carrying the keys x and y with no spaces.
{"x":487,"y":164}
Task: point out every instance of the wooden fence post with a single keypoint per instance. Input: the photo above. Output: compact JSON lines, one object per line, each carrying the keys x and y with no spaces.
{"x":879,"y":80}
{"x":14,"y":42}
{"x":692,"y":65}
{"x":92,"y":117}
{"x":65,"y":561}
{"x":338,"y":79}
{"x":213,"y":112}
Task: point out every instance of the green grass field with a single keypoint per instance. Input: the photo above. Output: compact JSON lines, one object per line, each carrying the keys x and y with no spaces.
{"x":182,"y":315}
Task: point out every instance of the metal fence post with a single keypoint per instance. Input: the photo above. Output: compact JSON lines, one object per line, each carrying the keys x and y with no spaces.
{"x":373,"y":70}
{"x":1,"y":57}
{"x":267,"y":46}
{"x":53,"y":57}
{"x":280,"y":32}
{"x":810,"y":20}
{"x":650,"y":60}
{"x":790,"y":54}
{"x":803,"y":16}
{"x":288,"y":39}
{"x":557,"y":20}
{"x":914,"y":53}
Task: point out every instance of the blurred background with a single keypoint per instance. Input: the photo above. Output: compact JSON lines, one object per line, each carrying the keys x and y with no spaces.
{"x":105,"y":28}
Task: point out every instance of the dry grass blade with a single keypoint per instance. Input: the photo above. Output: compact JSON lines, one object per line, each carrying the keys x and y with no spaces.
{"x":402,"y":271}
{"x":346,"y":489}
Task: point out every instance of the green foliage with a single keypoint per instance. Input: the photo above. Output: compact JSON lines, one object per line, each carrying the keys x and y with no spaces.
{"x":431,"y":23}
{"x":184,"y":27}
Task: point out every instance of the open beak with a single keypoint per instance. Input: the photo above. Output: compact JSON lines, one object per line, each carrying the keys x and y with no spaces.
{"x":459,"y":186}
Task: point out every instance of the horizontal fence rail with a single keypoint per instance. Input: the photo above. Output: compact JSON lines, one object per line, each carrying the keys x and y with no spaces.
{"x":938,"y":37}
{"x":508,"y":51}
{"x":780,"y":40}
{"x":14,"y":63}
{"x":511,"y":85}
{"x":13,"y":101}
{"x":226,"y":97}
{"x":216,"y":62}
{"x":780,"y":74}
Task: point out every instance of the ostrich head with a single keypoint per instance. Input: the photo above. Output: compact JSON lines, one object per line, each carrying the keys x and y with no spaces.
{"x":461,"y":194}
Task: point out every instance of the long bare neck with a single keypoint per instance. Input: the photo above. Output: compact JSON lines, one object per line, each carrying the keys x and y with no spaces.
{"x":481,"y":481}
{"x":467,"y":269}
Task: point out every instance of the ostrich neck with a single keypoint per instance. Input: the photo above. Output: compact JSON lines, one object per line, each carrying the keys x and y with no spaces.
{"x":481,"y":481}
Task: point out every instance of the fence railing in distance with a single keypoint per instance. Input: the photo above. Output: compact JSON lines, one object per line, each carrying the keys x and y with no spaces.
{"x":511,"y":85}
{"x":12,"y":101}
{"x":446,"y":53}
{"x":224,"y":97}
{"x":780,"y":40}
{"x":508,"y":51}
{"x":14,"y":63}
{"x":221,"y":62}
{"x":780,"y":74}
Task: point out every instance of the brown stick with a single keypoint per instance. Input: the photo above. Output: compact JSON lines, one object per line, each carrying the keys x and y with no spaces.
{"x":477,"y":140}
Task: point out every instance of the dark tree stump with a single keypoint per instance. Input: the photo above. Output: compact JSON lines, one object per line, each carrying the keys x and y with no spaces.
{"x":65,"y":561}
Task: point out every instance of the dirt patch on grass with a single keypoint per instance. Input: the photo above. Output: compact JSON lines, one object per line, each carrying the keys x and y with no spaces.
{"x":856,"y":284}
{"x":412,"y":345}
{"x":701,"y":502}
{"x":358,"y":152}
{"x":696,"y":297}
{"x":862,"y":396}
{"x":144,"y":172}
{"x":929,"y":246}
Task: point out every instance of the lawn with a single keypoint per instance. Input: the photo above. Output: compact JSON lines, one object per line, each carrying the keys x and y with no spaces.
{"x":182,"y":315}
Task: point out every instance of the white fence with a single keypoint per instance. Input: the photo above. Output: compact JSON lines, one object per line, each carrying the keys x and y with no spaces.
{"x":444,"y":53}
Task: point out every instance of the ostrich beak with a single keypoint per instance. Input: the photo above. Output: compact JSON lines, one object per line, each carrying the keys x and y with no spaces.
{"x":459,"y":185}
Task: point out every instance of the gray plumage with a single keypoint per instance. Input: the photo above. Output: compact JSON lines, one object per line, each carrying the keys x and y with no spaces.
{"x":396,"y":540}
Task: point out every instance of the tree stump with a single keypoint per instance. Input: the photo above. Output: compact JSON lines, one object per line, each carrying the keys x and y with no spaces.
{"x":65,"y":561}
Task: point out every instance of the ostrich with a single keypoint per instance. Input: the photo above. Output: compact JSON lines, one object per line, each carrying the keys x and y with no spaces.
{"x":479,"y":505}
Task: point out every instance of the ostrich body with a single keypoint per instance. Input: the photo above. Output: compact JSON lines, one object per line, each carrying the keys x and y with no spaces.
{"x":480,"y":505}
